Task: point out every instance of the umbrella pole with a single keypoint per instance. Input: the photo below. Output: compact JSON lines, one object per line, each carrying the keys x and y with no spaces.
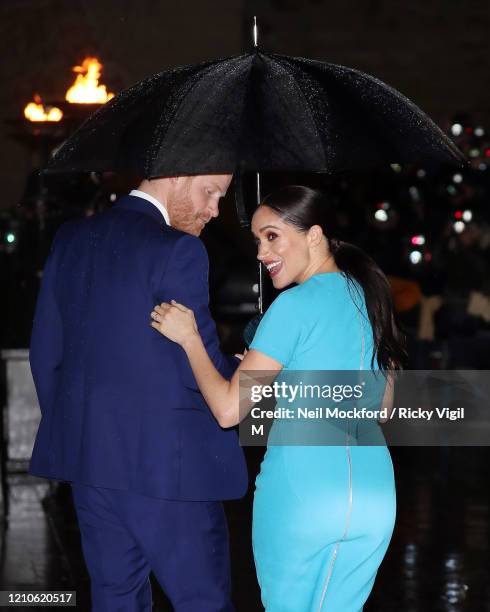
{"x":261,"y":269}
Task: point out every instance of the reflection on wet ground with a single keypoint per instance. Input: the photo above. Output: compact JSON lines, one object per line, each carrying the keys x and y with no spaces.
{"x":438,"y":560}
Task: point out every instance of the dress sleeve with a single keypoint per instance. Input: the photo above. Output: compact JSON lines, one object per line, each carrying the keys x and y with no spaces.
{"x":280,"y":329}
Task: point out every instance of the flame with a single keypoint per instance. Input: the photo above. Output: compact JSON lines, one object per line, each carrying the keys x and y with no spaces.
{"x":86,"y":88}
{"x":36,"y":111}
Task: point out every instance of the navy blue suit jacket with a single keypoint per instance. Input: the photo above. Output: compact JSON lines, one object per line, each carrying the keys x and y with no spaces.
{"x":120,"y":406}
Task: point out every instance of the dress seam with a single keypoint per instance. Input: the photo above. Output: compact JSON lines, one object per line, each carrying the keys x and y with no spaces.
{"x":349,"y":508}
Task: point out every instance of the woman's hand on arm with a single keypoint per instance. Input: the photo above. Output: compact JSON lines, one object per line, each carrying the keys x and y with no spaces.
{"x":178,"y":324}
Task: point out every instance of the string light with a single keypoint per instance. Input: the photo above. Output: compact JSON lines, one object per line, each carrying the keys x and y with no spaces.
{"x":414,"y":193}
{"x":415,"y":257}
{"x":456,"y":129}
{"x":419,"y":240}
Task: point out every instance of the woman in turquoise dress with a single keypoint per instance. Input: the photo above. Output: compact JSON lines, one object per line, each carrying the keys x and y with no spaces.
{"x":323,"y":514}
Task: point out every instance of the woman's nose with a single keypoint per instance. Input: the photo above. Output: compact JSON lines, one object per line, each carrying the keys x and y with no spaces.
{"x":261,"y":252}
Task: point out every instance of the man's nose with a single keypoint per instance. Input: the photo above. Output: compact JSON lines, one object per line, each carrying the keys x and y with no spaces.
{"x":214,"y":209}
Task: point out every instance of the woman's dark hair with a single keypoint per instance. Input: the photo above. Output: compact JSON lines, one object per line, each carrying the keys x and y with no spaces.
{"x":303,"y":207}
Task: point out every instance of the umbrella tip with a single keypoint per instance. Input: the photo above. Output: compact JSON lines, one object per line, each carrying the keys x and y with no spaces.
{"x":255,"y":32}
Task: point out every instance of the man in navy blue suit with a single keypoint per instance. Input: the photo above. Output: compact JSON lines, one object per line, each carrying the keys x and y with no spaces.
{"x":122,"y":417}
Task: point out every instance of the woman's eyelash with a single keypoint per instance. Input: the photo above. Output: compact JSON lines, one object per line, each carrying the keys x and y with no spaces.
{"x":270,"y":237}
{"x":271,"y":234}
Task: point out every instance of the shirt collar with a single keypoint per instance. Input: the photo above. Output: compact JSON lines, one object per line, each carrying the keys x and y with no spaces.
{"x":154,"y":201}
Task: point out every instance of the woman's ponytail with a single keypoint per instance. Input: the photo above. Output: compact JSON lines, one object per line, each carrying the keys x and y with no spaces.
{"x":389,"y":343}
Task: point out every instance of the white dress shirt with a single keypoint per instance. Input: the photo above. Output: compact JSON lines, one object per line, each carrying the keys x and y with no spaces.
{"x":154,"y":201}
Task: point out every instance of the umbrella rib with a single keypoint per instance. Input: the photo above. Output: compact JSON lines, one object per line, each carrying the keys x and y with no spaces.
{"x":244,"y":107}
{"x":397,"y":95}
{"x":156,"y":143}
{"x":303,"y":95}
{"x":418,"y":112}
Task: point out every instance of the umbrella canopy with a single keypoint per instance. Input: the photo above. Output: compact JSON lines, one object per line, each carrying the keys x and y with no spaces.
{"x":257,"y":112}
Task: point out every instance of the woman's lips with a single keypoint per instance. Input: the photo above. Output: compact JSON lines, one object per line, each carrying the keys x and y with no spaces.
{"x":274,"y":271}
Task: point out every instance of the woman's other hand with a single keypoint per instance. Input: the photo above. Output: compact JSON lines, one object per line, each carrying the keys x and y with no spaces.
{"x":175,"y":322}
{"x":241,"y":355}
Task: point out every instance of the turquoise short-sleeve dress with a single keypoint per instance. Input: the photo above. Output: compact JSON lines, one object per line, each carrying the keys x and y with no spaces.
{"x":323,"y":515}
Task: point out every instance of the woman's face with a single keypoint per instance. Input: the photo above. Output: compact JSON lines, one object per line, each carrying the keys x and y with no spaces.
{"x":283,"y":249}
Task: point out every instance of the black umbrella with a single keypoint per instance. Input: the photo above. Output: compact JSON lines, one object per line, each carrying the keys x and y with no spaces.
{"x":256,"y":112}
{"x":259,"y":112}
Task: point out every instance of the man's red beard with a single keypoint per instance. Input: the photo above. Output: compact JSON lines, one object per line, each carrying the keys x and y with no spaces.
{"x":182,"y":214}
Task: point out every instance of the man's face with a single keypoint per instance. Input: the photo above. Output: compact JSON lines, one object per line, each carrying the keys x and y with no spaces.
{"x":193,"y":200}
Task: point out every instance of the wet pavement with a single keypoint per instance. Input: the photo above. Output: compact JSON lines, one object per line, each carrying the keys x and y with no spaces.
{"x":438,"y":559}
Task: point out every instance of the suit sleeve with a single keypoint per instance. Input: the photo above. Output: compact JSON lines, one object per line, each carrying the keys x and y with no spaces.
{"x":186,"y":281}
{"x":46,"y":347}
